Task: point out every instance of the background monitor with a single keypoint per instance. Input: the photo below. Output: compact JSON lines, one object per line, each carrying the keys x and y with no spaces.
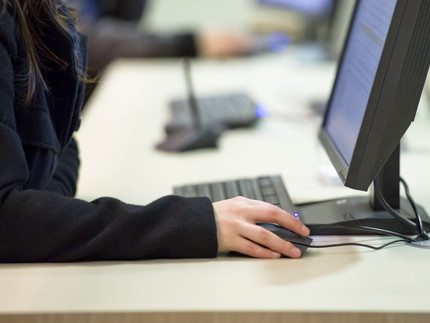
{"x":310,"y":7}
{"x":338,"y":27}
{"x":301,"y":20}
{"x":374,"y":99}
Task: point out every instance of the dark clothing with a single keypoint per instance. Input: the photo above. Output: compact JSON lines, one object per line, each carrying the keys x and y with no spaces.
{"x":113,"y":32}
{"x":39,"y":218}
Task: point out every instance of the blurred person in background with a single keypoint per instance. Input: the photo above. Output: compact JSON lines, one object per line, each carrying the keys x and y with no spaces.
{"x":113,"y":31}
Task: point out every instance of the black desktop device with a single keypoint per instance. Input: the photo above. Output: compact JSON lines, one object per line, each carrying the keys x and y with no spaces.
{"x":374,"y":99}
{"x":198,"y":121}
{"x":231,"y":110}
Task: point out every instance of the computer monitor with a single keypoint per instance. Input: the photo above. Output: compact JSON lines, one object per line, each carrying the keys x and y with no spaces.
{"x":310,"y":7}
{"x":379,"y":82}
{"x":301,"y":20}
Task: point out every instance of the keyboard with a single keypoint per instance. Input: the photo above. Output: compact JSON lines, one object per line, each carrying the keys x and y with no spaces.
{"x":270,"y":189}
{"x":229,"y":110}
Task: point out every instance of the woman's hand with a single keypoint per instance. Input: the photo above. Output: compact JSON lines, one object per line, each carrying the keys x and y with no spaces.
{"x":237,"y":230}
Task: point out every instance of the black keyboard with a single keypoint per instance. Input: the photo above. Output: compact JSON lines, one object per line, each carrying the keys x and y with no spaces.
{"x":268,"y":188}
{"x":230,"y":111}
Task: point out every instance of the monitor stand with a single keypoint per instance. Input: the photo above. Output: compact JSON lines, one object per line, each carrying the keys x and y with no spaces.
{"x":348,"y":215}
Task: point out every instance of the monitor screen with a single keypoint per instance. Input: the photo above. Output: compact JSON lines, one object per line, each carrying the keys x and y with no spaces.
{"x":311,"y":7}
{"x":378,"y":85}
{"x":357,"y":74}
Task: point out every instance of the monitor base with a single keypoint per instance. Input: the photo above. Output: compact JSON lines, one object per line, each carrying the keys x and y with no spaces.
{"x":345,"y":216}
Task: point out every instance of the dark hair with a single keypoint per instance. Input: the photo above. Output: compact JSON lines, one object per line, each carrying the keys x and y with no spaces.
{"x":27,"y":14}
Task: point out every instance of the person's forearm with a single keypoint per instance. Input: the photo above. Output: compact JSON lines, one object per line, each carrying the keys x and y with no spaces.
{"x":130,"y":10}
{"x":109,"y":39}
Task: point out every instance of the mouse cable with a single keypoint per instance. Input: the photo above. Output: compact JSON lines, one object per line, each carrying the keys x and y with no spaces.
{"x":388,"y":233}
{"x":357,"y":244}
{"x":403,"y":238}
{"x":373,"y":230}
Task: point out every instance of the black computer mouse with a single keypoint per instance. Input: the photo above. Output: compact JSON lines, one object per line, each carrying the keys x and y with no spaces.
{"x":298,"y":241}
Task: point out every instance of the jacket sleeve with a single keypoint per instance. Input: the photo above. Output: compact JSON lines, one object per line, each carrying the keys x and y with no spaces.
{"x":48,"y":226}
{"x":65,"y":177}
{"x":110,"y":38}
{"x":45,"y":226}
{"x":131,"y":10}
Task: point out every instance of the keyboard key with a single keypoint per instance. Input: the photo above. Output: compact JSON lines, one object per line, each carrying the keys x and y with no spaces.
{"x":189,"y":191}
{"x":231,"y":189}
{"x":268,"y":190}
{"x":246,"y":188}
{"x":204,"y":190}
{"x":265,"y":181}
{"x":273,"y":199}
{"x":218,"y":192}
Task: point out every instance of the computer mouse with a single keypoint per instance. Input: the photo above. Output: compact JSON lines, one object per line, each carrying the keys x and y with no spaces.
{"x":298,"y":241}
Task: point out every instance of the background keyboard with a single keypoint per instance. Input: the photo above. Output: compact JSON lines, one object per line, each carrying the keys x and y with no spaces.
{"x":230,"y":110}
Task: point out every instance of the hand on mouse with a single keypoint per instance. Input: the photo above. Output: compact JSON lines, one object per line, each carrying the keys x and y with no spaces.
{"x":237,"y":230}
{"x":223,"y":44}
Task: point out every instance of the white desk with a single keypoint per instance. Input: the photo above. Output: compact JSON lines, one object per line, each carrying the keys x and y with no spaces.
{"x":332,"y":285}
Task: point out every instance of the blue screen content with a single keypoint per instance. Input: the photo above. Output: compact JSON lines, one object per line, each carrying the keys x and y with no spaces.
{"x":311,"y":7}
{"x":357,"y":73}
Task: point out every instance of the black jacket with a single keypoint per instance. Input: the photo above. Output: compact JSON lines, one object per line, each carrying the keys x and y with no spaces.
{"x":113,"y":31}
{"x":39,"y":218}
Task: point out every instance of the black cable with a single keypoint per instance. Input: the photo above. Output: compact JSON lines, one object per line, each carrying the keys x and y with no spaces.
{"x":395,"y":214}
{"x":418,"y":226}
{"x":390,"y":210}
{"x":373,"y":230}
{"x":386,"y":232}
{"x":357,"y":244}
{"x":414,"y":207}
{"x":403,"y":238}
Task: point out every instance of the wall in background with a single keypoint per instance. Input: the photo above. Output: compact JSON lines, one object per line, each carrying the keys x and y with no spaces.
{"x":168,"y":15}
